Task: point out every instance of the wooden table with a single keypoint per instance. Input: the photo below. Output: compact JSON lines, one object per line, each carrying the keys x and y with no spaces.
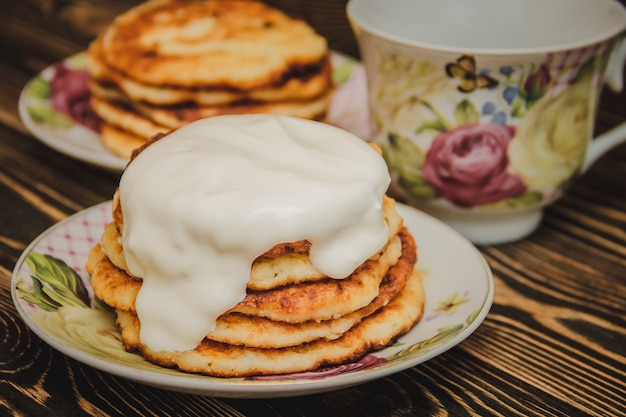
{"x":554,"y":342}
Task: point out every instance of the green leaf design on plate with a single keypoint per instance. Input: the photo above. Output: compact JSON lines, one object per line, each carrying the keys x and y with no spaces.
{"x":451,"y":304}
{"x":470,"y":319}
{"x":39,"y":88}
{"x":77,"y":61}
{"x":443,"y":335}
{"x":46,"y":115}
{"x":343,"y":71}
{"x":55,"y":284}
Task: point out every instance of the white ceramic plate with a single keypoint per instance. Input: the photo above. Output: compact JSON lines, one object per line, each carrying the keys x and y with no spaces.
{"x":459,"y":293}
{"x":348,"y":110}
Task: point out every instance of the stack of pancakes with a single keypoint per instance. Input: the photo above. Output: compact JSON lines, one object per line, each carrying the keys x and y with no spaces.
{"x":293,"y":318}
{"x":165,"y":63}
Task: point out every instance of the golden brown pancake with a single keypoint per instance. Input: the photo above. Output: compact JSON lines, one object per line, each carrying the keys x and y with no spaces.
{"x":284,"y":264}
{"x":292,"y":318}
{"x":122,"y":117}
{"x":145,"y":120}
{"x":120,"y":142}
{"x":253,"y":331}
{"x":321,"y":299}
{"x":166,"y":63}
{"x":127,"y":125}
{"x":223,"y":360}
{"x":247,"y":324}
{"x":112,"y":283}
{"x":178,"y":116}
{"x":239,"y":329}
{"x":324,"y":299}
{"x":186,"y":43}
{"x":112,"y":84}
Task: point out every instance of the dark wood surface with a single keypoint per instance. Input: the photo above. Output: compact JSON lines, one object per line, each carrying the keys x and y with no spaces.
{"x":553,"y":344}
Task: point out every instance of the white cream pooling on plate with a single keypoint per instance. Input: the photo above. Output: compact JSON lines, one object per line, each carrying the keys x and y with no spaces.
{"x":202,"y":203}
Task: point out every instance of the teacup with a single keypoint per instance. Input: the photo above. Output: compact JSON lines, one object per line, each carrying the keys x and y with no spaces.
{"x":485,"y":109}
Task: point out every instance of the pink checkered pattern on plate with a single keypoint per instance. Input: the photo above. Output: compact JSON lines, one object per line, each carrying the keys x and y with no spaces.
{"x":72,"y":239}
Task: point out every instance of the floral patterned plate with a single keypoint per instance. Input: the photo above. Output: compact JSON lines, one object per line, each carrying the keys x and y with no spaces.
{"x":65,"y":122}
{"x":53,"y":295}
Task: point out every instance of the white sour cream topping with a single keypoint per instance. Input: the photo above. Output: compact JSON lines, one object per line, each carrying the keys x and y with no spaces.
{"x":202,"y":203}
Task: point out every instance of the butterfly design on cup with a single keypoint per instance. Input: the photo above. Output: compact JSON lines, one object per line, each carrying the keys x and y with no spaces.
{"x":465,"y":70}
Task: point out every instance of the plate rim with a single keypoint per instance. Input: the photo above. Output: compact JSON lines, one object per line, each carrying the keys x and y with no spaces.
{"x":239,"y":387}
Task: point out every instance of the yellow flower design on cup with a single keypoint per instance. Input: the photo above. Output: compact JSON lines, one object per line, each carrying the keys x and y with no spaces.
{"x":405,"y":90}
{"x":551,"y":141}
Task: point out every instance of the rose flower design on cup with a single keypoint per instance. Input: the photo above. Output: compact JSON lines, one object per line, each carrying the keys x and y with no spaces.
{"x":484,"y":129}
{"x":468,"y":165}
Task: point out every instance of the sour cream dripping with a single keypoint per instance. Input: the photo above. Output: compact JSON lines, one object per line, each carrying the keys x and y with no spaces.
{"x":202,"y":203}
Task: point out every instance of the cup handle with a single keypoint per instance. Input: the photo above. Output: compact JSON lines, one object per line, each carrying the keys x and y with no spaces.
{"x":615,"y":80}
{"x":603,"y":143}
{"x":615,"y":69}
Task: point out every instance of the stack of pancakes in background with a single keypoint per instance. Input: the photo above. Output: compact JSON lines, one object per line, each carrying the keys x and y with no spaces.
{"x":293,"y":318}
{"x":165,"y":63}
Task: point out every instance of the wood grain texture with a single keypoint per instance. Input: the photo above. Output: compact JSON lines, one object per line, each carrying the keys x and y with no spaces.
{"x":554,"y":343}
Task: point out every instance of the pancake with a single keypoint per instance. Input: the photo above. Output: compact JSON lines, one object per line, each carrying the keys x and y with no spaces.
{"x":284,"y":264}
{"x":120,"y":142}
{"x":223,"y":360}
{"x":178,"y":116}
{"x":240,"y":329}
{"x":322,"y":299}
{"x":231,"y":44}
{"x":122,"y":117}
{"x":128,"y":125}
{"x":111,"y":83}
{"x":145,"y":120}
{"x":209,"y":303}
{"x":325,"y":299}
{"x":166,"y":63}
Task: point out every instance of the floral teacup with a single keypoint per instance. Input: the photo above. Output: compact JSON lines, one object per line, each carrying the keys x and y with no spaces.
{"x":485,"y":109}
